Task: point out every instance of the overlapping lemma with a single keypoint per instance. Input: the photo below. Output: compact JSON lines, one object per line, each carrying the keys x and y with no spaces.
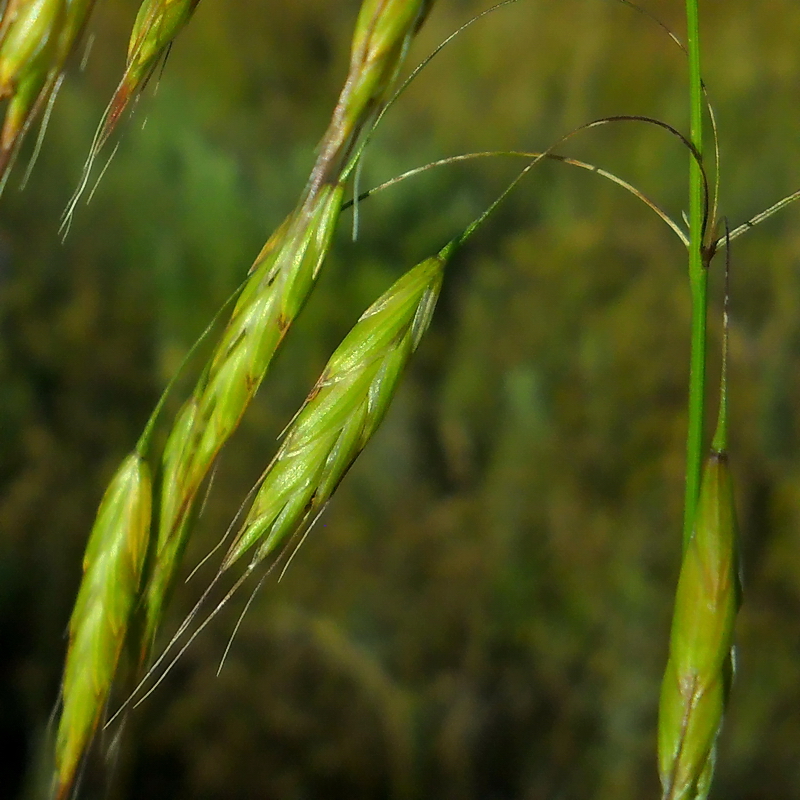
{"x":269,"y":302}
{"x":36,"y":38}
{"x":700,"y":667}
{"x":112,"y":570}
{"x":279,"y":284}
{"x":342,"y":412}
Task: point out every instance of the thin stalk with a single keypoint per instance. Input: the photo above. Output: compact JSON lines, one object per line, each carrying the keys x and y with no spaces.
{"x":698,"y":278}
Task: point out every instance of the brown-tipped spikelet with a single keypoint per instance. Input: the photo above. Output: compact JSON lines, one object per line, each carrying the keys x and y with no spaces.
{"x":383,"y":31}
{"x":274,"y":294}
{"x":342,"y":412}
{"x":36,"y":38}
{"x":157,"y":24}
{"x":112,"y":569}
{"x":700,"y":666}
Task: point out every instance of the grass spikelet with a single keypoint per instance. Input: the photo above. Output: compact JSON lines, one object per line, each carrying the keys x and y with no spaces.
{"x":157,"y":24}
{"x":700,"y":666}
{"x":29,"y":40}
{"x":342,"y":412}
{"x":699,"y":669}
{"x":382,"y":34}
{"x":277,"y":288}
{"x":36,"y":38}
{"x":112,"y":570}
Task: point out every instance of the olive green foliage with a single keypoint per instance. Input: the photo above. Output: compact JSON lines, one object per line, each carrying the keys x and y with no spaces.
{"x":484,"y":608}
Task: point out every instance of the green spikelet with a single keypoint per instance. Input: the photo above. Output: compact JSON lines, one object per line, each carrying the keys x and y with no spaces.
{"x":112,"y":569}
{"x":382,"y":34}
{"x":342,"y":412}
{"x":157,"y":24}
{"x":36,"y":38}
{"x":154,"y":30}
{"x":700,"y":666}
{"x":275,"y":292}
{"x":699,"y":669}
{"x":29,"y":34}
{"x":29,"y":42}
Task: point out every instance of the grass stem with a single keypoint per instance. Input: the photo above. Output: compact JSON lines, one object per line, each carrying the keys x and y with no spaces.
{"x":698,"y":277}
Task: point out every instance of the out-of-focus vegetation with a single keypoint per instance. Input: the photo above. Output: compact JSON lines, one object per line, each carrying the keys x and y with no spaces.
{"x":483,"y":611}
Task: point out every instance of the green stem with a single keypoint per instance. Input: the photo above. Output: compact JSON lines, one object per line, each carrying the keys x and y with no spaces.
{"x":698,"y":278}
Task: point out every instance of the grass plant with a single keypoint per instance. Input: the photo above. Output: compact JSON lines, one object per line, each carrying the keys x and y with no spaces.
{"x":145,"y":519}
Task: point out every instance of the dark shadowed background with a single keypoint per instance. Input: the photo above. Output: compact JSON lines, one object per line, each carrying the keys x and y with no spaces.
{"x":483,"y":611}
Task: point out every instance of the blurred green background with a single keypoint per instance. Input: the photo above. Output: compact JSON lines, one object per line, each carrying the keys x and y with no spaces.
{"x":483,"y":611}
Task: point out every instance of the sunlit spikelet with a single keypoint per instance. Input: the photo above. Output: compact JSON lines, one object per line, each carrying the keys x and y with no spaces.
{"x":342,"y":412}
{"x":156,"y":26}
{"x":112,"y":570}
{"x":383,"y":31}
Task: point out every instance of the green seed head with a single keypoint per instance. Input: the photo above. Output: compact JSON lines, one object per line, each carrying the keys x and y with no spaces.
{"x":36,"y":37}
{"x":383,"y":32}
{"x":342,"y":412}
{"x":699,"y":669}
{"x":30,"y":34}
{"x":112,"y":567}
{"x":276,"y":290}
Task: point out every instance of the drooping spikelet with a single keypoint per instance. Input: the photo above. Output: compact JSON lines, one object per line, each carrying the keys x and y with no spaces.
{"x":342,"y":412}
{"x":112,"y":570}
{"x":36,"y":38}
{"x":383,"y":31}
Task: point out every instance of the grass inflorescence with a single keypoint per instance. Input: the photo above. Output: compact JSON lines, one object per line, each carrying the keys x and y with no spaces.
{"x":112,"y":571}
{"x":342,"y":412}
{"x":274,"y":292}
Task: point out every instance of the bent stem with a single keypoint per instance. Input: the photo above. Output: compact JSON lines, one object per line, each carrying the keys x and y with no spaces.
{"x":698,"y":277}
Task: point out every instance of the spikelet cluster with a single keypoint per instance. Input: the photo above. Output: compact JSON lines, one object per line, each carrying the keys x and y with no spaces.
{"x":700,"y":666}
{"x":112,"y":570}
{"x":36,"y":38}
{"x":280,"y":281}
{"x":342,"y":412}
{"x":275,"y":291}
